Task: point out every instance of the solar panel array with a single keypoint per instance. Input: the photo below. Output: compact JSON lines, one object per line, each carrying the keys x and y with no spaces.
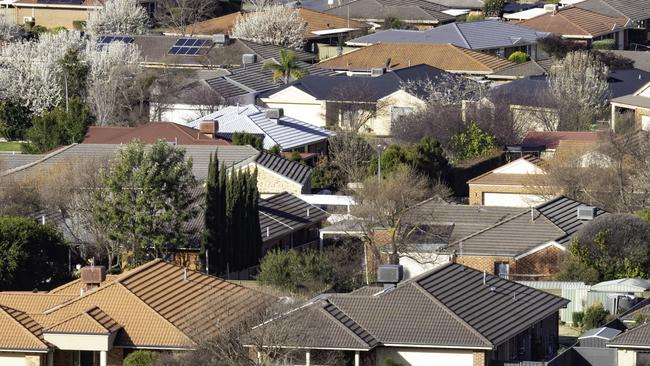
{"x":189,"y":46}
{"x":110,"y":39}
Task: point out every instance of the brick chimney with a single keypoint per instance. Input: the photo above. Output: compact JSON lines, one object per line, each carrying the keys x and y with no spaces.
{"x":92,"y":277}
{"x":209,"y":128}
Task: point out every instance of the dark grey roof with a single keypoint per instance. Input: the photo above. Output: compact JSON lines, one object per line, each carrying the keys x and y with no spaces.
{"x":448,"y":307}
{"x":462,"y":4}
{"x":342,"y":87}
{"x":481,"y":35}
{"x":633,"y":338}
{"x":562,"y":212}
{"x":11,"y":161}
{"x":285,"y":213}
{"x":643,"y":310}
{"x":526,"y":69}
{"x":498,"y":309}
{"x":602,"y":332}
{"x":293,"y":170}
{"x":641,"y":58}
{"x":269,"y":51}
{"x":636,"y":10}
{"x":419,"y":11}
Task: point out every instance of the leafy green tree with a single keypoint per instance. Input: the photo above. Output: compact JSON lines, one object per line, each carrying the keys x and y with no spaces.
{"x":494,"y":8}
{"x":595,"y":316}
{"x":471,"y":143}
{"x":147,"y":200}
{"x":58,"y":127}
{"x":294,"y":271}
{"x":231,"y":216}
{"x":295,"y":156}
{"x":245,"y":138}
{"x":518,"y":57}
{"x":286,"y":68}
{"x":395,"y":23}
{"x":15,"y":119}
{"x":75,"y":73}
{"x":31,"y":255}
{"x":427,"y":157}
{"x":327,"y":176}
{"x":141,"y":358}
{"x":275,"y":149}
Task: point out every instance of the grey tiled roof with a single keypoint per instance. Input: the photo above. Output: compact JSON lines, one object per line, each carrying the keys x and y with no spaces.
{"x":498,"y":309}
{"x":406,"y":10}
{"x":350,"y":324}
{"x":269,"y":51}
{"x":462,"y":4}
{"x":526,"y":69}
{"x":293,"y":170}
{"x":11,"y":161}
{"x":634,"y":9}
{"x":285,"y":213}
{"x":481,"y":35}
{"x":562,"y":212}
{"x":635,"y":337}
{"x":602,"y":332}
{"x":641,"y":58}
{"x":644,"y":310}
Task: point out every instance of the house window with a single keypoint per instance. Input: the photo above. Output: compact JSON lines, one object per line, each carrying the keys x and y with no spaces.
{"x":502,"y":269}
{"x":397,"y":112}
{"x":645,"y":123}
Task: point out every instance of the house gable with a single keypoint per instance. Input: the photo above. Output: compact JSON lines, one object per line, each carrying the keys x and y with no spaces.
{"x":291,"y":94}
{"x":519,"y":166}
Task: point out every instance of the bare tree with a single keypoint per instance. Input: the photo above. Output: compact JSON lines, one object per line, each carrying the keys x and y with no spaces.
{"x":179,"y":15}
{"x":351,"y":154}
{"x":579,"y":86}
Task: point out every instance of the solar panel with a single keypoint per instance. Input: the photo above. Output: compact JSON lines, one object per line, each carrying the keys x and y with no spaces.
{"x":104,"y":40}
{"x":189,"y":46}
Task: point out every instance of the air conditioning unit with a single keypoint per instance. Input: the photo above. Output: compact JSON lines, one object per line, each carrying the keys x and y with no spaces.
{"x":274,"y":113}
{"x":586,"y":212}
{"x":377,"y":71}
{"x":550,"y":8}
{"x":248,"y":58}
{"x":220,"y":38}
{"x":29,"y":19}
{"x":389,"y":273}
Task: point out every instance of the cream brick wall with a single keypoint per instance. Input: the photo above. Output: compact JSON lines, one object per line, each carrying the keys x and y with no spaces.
{"x":51,"y":18}
{"x":478,"y":359}
{"x":269,"y":183}
{"x":639,"y":113}
{"x":33,"y":360}
{"x":476,"y":191}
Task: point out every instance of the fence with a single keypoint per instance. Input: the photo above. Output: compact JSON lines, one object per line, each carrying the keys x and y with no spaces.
{"x":575,"y":356}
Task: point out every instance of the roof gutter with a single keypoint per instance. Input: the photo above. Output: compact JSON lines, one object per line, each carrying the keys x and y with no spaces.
{"x":435,"y":346}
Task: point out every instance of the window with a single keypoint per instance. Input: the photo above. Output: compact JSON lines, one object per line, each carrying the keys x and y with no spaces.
{"x":502,"y":269}
{"x":645,"y":123}
{"x":397,"y":112}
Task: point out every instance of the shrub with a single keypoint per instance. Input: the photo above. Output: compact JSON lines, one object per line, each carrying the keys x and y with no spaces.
{"x":474,"y":17}
{"x":78,"y":24}
{"x":471,"y":143}
{"x":294,"y":271}
{"x":640,"y":318}
{"x":595,"y":316}
{"x":275,"y":149}
{"x":577,"y":318}
{"x":245,"y":138}
{"x":604,"y":44}
{"x":518,"y":57}
{"x":58,"y":29}
{"x":141,"y":358}
{"x":295,"y":156}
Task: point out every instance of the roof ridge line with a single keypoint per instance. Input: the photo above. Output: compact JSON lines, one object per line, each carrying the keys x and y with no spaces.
{"x":499,"y":223}
{"x":274,"y":219}
{"x":453,"y":314}
{"x":346,"y":329}
{"x":462,"y":35}
{"x":34,"y":163}
{"x":6,"y":313}
{"x":266,"y":134}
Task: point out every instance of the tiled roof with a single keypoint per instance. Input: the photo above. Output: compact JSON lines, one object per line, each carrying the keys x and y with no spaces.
{"x":641,"y":58}
{"x":396,"y":56}
{"x":638,"y":337}
{"x":18,"y":331}
{"x":481,"y":35}
{"x":551,"y":139}
{"x":11,"y":161}
{"x":316,"y":21}
{"x":150,"y":133}
{"x":416,"y":11}
{"x":285,"y":213}
{"x":644,"y":310}
{"x":573,"y":21}
{"x":288,"y":133}
{"x":562,"y":211}
{"x":293,"y":170}
{"x":526,"y":69}
{"x":501,"y":179}
{"x":74,"y":287}
{"x":93,"y":321}
{"x":634,"y":9}
{"x":33,"y":302}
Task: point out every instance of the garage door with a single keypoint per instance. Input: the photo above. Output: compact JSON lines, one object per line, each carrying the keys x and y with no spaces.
{"x":18,"y":360}
{"x":511,"y":199}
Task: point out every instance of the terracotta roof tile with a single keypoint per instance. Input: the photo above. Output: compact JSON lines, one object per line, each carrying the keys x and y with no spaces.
{"x":576,"y":22}
{"x":399,"y":55}
{"x":551,"y":139}
{"x":92,"y":321}
{"x":33,"y":302}
{"x":19,"y":332}
{"x":74,"y":287}
{"x":150,"y":133}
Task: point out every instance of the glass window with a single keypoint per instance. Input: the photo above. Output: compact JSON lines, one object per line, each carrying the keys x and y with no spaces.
{"x":502,"y":269}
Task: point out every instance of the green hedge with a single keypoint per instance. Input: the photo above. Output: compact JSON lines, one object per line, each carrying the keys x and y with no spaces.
{"x":604,"y":44}
{"x":140,"y":358}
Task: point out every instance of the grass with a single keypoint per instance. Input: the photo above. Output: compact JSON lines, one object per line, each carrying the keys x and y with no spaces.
{"x":567,"y":331}
{"x":10,"y":146}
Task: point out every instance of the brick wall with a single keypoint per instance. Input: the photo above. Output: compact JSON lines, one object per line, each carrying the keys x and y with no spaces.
{"x":638,"y":114}
{"x":476,"y":191}
{"x":115,"y":357}
{"x":51,"y":18}
{"x":544,"y":263}
{"x":269,"y":183}
{"x":478,"y":359}
{"x":34,"y":360}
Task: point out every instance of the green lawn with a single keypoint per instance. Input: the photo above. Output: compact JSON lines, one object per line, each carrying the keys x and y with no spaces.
{"x":10,"y":146}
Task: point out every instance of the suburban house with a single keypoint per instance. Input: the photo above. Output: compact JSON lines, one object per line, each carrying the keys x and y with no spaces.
{"x":523,"y":70}
{"x":490,"y":36}
{"x":638,"y":102}
{"x":393,"y":56}
{"x":289,"y":133}
{"x":150,"y":133}
{"x":581,"y":25}
{"x":331,"y":101}
{"x":632,"y":346}
{"x":637,"y":11}
{"x":510,"y":185}
{"x":452,"y":315}
{"x":99,"y":319}
{"x":321,"y":27}
{"x":275,"y":174}
{"x":547,"y":143}
{"x":421,"y":14}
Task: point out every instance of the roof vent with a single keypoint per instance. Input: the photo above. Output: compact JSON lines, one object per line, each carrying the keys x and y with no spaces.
{"x":550,"y":8}
{"x":248,"y":58}
{"x":220,"y":38}
{"x":389,"y":274}
{"x":586,"y":212}
{"x":274,"y":113}
{"x":377,"y":71}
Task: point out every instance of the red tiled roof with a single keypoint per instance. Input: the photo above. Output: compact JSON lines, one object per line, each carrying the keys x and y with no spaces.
{"x":572,"y":21}
{"x":149,"y":134}
{"x":551,"y":139}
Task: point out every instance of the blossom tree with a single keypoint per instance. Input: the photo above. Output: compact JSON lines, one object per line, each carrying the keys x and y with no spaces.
{"x":275,"y":24}
{"x":118,"y":17}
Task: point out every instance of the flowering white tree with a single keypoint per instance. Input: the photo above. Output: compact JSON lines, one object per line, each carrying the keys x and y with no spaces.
{"x":118,"y":17}
{"x":7,"y":28}
{"x":275,"y":24}
{"x":112,"y":71}
{"x":31,"y":72}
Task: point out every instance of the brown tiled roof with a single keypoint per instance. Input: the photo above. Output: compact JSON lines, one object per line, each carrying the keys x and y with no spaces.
{"x":150,"y":133}
{"x":551,"y":139}
{"x":576,"y":22}
{"x":19,"y":332}
{"x":74,"y":287}
{"x":399,"y":55}
{"x":92,"y":321}
{"x":31,"y":302}
{"x":316,"y":21}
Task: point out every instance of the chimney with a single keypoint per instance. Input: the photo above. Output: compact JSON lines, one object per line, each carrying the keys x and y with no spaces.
{"x":209,"y":128}
{"x":389,"y":275}
{"x":92,"y":277}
